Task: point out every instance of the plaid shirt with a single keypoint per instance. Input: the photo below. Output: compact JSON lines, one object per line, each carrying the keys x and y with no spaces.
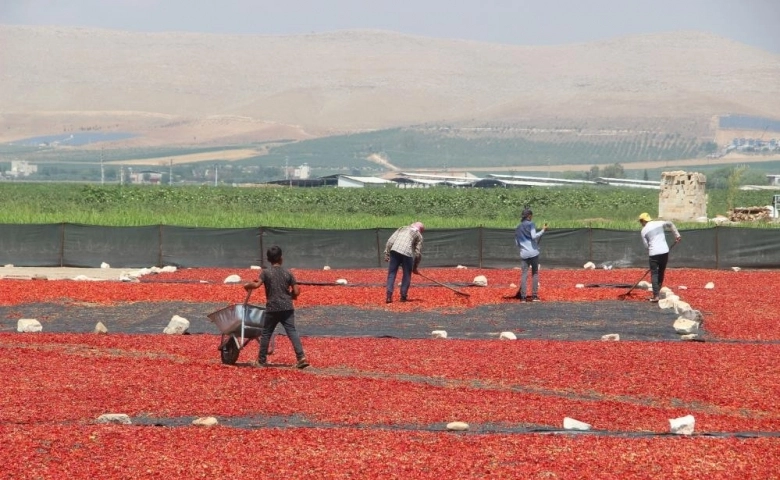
{"x":406,"y":241}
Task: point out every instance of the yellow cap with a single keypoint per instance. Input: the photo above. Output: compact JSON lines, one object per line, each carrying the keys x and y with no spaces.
{"x":645,"y":217}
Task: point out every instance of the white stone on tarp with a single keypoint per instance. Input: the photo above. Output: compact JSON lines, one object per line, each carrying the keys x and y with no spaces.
{"x":342,"y":281}
{"x":205,"y":422}
{"x":579,"y":285}
{"x":694,"y":315}
{"x":233,"y":279}
{"x":610,"y":337}
{"x":126,"y":277}
{"x":168,"y":269}
{"x":439,"y":334}
{"x":84,"y":278}
{"x":668,"y":302}
{"x":680,"y":307}
{"x":709,"y":286}
{"x":458,"y":426}
{"x":736,"y":269}
{"x":326,"y":267}
{"x":255,"y":267}
{"x":589,"y":266}
{"x":462,"y":267}
{"x":119,"y":418}
{"x":682,"y":425}
{"x":683,"y":287}
{"x":177,"y":326}
{"x":685,"y":326}
{"x":28,"y":325}
{"x":644,"y":284}
{"x":572,"y":424}
{"x":155,"y":269}
{"x":507,"y":336}
{"x":105,"y":265}
{"x":100,"y":329}
{"x":140,"y":272}
{"x":689,"y":336}
{"x":480,"y":280}
{"x":512,"y":285}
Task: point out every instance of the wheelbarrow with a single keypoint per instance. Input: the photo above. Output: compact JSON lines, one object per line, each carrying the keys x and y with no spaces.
{"x":239,"y":324}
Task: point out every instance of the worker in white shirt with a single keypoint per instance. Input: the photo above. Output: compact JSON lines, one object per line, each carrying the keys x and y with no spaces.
{"x":654,"y":238}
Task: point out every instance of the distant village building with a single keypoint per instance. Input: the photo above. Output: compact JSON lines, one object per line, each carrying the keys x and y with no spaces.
{"x":682,"y":196}
{"x":146,"y":177}
{"x":303,"y":172}
{"x":774,"y":179}
{"x":20,"y":168}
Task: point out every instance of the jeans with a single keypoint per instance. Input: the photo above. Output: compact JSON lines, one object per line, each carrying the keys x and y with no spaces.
{"x":270,"y":321}
{"x":533,"y":264}
{"x":406,"y":264}
{"x":657,"y":270}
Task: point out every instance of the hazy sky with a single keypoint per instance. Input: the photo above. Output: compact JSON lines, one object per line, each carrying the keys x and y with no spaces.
{"x":521,"y":22}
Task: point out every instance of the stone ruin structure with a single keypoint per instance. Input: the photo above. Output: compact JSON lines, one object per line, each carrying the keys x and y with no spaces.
{"x":682,"y":196}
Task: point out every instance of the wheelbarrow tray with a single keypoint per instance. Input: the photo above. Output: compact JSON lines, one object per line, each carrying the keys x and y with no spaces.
{"x":228,"y":320}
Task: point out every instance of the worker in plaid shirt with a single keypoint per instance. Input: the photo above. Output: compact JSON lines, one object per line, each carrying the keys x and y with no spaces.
{"x":403,"y":249}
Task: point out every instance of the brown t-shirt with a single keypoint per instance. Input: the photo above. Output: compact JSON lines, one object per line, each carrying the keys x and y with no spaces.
{"x":278,"y":282}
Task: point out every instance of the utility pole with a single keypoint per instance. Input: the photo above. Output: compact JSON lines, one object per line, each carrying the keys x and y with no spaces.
{"x":170,"y":172}
{"x":102,"y":169}
{"x":216,"y":173}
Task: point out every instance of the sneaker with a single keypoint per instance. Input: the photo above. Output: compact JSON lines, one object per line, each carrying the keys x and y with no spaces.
{"x":403,"y":299}
{"x":534,"y":299}
{"x":302,"y":363}
{"x":654,"y":299}
{"x":260,"y":364}
{"x":389,"y":300}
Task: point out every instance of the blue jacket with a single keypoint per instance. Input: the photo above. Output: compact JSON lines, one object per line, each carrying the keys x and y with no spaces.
{"x":526,"y":238}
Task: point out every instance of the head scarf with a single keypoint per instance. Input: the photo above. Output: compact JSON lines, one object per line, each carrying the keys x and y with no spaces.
{"x":418,"y":226}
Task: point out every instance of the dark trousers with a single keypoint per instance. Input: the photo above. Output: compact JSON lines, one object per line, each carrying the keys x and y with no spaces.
{"x":533,"y":264}
{"x":406,"y":264}
{"x":657,"y":270}
{"x":270,"y":321}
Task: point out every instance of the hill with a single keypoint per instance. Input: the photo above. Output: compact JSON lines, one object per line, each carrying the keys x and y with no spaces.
{"x":195,"y":89}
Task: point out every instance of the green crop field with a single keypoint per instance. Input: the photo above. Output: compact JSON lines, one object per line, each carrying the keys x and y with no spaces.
{"x":335,"y":208}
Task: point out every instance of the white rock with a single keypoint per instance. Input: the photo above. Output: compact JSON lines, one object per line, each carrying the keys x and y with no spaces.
{"x":462,"y":267}
{"x":611,"y":337}
{"x":709,"y":286}
{"x":168,"y":269}
{"x":736,"y":269}
{"x":644,"y":284}
{"x":694,"y":315}
{"x":255,"y":267}
{"x":721,"y":220}
{"x":512,"y":285}
{"x":668,"y":302}
{"x":326,"y":267}
{"x":233,"y":279}
{"x":341,"y":281}
{"x":155,"y":269}
{"x":507,"y":336}
{"x":177,"y":326}
{"x":100,"y":328}
{"x":439,"y":334}
{"x":119,"y":418}
{"x":481,"y":281}
{"x":683,"y":425}
{"x":589,"y":266}
{"x":685,"y":326}
{"x":105,"y":265}
{"x":572,"y":424}
{"x":580,"y":285}
{"x":126,"y":277}
{"x":205,"y":422}
{"x":84,"y":278}
{"x":458,"y":426}
{"x":682,"y":287}
{"x":28,"y":325}
{"x":680,"y":307}
{"x":689,"y":336}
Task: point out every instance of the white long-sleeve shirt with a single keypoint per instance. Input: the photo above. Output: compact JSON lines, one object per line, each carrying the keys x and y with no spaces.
{"x":654,"y":238}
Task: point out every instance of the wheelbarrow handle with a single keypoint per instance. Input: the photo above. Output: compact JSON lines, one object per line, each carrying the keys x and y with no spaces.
{"x":248,"y":294}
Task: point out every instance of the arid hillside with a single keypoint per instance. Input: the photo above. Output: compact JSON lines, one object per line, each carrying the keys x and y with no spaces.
{"x":184,"y":88}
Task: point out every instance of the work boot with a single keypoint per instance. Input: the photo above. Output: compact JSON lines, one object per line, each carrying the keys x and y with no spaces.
{"x":389,"y":299}
{"x":403,"y":299}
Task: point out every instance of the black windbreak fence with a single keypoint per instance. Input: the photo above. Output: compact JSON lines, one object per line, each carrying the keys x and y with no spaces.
{"x":75,"y":245}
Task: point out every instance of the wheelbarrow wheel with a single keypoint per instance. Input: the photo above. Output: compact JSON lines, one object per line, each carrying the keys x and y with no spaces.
{"x":229,"y":352}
